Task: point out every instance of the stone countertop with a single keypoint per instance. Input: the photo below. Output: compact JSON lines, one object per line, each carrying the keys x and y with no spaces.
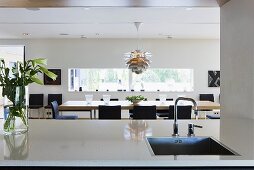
{"x":116,"y":143}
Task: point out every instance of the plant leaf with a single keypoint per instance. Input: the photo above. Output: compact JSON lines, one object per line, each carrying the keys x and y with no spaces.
{"x":51,"y":75}
{"x":36,"y":80}
{"x":43,"y":69}
{"x":48,"y":73}
{"x":42,"y":61}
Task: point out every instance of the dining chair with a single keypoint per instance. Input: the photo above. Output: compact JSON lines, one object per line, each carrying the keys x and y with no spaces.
{"x":183,"y":112}
{"x":55,"y":97}
{"x":206,"y":97}
{"x":167,"y":99}
{"x":144,"y":112}
{"x":113,"y":99}
{"x":131,"y":110}
{"x":56,"y":115}
{"x":163,"y":113}
{"x":36,"y":102}
{"x":51,"y":98}
{"x":109,"y":112}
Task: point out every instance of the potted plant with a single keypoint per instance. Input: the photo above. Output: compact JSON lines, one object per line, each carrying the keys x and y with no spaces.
{"x":14,"y":82}
{"x":135,"y":99}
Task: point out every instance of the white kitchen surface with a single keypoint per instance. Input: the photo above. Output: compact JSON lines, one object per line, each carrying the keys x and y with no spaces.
{"x":111,"y":143}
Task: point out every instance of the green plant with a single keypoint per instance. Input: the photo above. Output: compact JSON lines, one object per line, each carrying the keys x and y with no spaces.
{"x":134,"y":99}
{"x":13,"y":82}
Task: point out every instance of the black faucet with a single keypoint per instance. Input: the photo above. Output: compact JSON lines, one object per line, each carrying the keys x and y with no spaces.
{"x":175,"y":125}
{"x":191,"y":127}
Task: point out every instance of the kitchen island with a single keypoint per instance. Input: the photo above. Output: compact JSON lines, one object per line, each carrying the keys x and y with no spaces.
{"x":116,"y":143}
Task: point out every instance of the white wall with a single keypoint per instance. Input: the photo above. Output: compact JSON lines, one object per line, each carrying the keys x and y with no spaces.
{"x":237,"y":59}
{"x":200,"y":55}
{"x":10,"y":55}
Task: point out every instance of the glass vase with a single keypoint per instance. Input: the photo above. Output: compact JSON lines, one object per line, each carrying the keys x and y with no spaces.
{"x":15,"y":109}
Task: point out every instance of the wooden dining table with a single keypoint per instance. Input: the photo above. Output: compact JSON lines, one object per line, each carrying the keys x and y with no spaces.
{"x":126,"y":105}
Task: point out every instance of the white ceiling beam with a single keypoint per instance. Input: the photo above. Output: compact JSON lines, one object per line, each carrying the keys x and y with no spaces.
{"x":106,"y":3}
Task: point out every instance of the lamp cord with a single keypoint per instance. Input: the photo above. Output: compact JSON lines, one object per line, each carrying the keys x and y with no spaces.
{"x":137,"y":25}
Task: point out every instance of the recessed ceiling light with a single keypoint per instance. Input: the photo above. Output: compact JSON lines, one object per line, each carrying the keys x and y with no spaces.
{"x":33,"y":9}
{"x":26,"y":34}
{"x":87,"y":9}
{"x":63,"y":34}
{"x":188,"y":9}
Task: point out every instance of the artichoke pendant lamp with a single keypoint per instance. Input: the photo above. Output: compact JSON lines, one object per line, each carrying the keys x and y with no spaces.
{"x":137,"y":60}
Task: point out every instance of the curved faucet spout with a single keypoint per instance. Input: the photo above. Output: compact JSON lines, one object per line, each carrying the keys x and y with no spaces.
{"x":175,"y":125}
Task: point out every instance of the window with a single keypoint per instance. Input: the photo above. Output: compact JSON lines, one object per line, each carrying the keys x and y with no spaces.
{"x":11,"y":54}
{"x":163,"y":80}
{"x":98,"y":79}
{"x":122,"y":79}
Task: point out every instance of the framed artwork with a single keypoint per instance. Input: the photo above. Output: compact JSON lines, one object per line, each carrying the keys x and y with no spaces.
{"x":213,"y":78}
{"x":49,"y":81}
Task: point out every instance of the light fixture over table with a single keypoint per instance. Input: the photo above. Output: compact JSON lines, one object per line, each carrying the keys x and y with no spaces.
{"x":137,"y":60}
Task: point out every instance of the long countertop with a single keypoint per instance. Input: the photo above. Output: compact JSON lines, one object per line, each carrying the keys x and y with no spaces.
{"x":117,"y":143}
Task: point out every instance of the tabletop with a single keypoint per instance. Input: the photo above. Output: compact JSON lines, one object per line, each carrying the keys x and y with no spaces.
{"x":126,"y":105}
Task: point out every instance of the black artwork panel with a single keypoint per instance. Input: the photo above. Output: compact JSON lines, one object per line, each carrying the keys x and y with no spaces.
{"x":49,"y":81}
{"x":213,"y":78}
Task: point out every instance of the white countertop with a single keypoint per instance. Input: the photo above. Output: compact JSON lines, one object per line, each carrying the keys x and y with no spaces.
{"x":110,"y":143}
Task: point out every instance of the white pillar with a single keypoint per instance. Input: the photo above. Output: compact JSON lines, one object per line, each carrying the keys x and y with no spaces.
{"x":237,"y":59}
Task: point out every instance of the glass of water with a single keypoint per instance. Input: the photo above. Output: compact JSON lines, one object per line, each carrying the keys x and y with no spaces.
{"x":106,"y":98}
{"x":89,"y":98}
{"x":163,"y":97}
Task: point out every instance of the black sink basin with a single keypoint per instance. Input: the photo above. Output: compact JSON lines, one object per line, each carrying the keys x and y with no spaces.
{"x":187,"y":146}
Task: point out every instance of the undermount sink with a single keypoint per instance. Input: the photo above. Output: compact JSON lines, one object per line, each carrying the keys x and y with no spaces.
{"x":187,"y":146}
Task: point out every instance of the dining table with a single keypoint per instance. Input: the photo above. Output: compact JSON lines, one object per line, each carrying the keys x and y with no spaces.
{"x":127,"y":105}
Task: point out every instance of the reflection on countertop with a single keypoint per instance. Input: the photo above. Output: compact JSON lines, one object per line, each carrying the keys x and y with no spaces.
{"x":137,"y":130}
{"x":16,"y":147}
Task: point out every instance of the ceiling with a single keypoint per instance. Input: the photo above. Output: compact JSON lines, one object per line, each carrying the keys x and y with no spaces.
{"x":110,"y":22}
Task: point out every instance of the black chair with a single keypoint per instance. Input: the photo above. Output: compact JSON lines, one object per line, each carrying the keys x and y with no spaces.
{"x":163,"y":113}
{"x":206,"y":97}
{"x":113,"y":99}
{"x":36,"y":102}
{"x":51,"y":98}
{"x":54,"y":97}
{"x":109,"y":112}
{"x":56,"y":115}
{"x":144,"y":112}
{"x":183,"y":112}
{"x":168,"y":99}
{"x":131,"y":110}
